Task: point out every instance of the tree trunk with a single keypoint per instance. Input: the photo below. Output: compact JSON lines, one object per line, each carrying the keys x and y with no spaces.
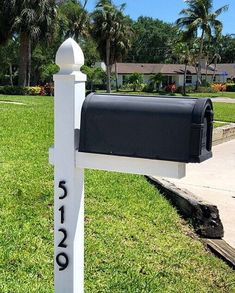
{"x":116,"y":76}
{"x":29,"y":64}
{"x":185,"y":75}
{"x":108,"y":65}
{"x":214,"y":71}
{"x":199,"y":72}
{"x":11,"y":75}
{"x":23,"y":62}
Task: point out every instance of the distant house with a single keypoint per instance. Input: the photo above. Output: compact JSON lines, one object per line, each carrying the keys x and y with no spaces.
{"x":172,"y":73}
{"x":225,"y":71}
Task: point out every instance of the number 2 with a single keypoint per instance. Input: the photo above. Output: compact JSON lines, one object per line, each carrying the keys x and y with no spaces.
{"x":62,"y":244}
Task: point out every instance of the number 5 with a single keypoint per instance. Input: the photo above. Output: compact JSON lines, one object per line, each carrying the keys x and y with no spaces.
{"x":61,"y":185}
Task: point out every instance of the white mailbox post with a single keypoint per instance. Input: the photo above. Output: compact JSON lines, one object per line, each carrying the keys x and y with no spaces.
{"x":69,"y":166}
{"x":69,"y":183}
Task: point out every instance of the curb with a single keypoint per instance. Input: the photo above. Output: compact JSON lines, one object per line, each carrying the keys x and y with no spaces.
{"x":204,"y":216}
{"x":222,"y":249}
{"x":223,"y":133}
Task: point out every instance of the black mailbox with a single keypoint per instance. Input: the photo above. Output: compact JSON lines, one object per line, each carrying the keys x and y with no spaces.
{"x":161,"y":128}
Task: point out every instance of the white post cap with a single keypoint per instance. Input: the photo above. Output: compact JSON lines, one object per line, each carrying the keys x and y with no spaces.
{"x":69,"y":57}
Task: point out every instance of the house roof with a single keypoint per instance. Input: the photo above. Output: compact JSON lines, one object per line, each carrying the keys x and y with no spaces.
{"x":148,"y":68}
{"x":227,"y":69}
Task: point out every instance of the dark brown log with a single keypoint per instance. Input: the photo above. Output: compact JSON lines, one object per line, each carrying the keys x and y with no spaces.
{"x":205,"y":217}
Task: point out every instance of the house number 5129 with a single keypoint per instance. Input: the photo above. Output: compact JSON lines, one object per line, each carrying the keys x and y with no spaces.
{"x":62,"y":259}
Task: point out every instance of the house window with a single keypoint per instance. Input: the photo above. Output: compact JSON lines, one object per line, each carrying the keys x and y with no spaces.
{"x":189,"y":79}
{"x":166,"y":80}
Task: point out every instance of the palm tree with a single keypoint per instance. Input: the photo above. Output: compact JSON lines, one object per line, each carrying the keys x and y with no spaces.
{"x":110,"y":29}
{"x":135,"y":79}
{"x":215,"y":60}
{"x":156,"y":80}
{"x":121,"y":44}
{"x":183,"y":53}
{"x":74,"y":18}
{"x":200,"y":16}
{"x":34,"y":20}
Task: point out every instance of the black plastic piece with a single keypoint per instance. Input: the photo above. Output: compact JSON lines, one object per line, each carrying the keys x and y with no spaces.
{"x":163,"y":128}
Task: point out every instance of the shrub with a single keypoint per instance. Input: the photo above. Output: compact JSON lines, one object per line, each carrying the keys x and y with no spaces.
{"x":11,"y":90}
{"x":18,"y":90}
{"x":136,"y":86}
{"x":189,"y":89}
{"x":47,"y":71}
{"x":205,"y":83}
{"x":148,"y":88}
{"x":136,"y":81}
{"x":201,"y":89}
{"x":219,"y":87}
{"x":126,"y":87}
{"x":32,"y":90}
{"x":230,"y":87}
{"x":171,"y":88}
{"x":205,"y":89}
{"x":47,"y":90}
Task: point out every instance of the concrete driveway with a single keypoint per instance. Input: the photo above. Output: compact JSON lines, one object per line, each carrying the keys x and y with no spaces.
{"x":214,"y":182}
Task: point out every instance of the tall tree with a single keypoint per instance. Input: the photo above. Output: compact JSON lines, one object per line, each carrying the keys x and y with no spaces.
{"x":7,"y":17}
{"x":183,"y":53}
{"x":8,"y":60}
{"x":110,"y":29}
{"x":74,"y":19}
{"x":34,"y":20}
{"x":152,"y":41}
{"x":200,"y":17}
{"x":227,"y":49}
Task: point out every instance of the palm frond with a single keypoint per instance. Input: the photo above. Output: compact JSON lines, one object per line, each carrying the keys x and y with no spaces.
{"x":221,"y":10}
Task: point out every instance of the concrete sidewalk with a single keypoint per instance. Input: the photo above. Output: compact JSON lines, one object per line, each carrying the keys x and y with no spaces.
{"x":214,"y":181}
{"x":223,"y":100}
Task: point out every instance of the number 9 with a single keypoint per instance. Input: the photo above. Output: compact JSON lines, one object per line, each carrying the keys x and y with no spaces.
{"x":62,"y":264}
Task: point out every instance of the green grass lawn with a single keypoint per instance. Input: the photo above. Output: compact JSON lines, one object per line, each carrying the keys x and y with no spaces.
{"x":214,"y":95}
{"x":219,"y":124}
{"x":224,"y":112}
{"x":135,"y":241}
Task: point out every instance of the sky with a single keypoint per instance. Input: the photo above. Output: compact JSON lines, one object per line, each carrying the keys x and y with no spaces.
{"x":168,"y":10}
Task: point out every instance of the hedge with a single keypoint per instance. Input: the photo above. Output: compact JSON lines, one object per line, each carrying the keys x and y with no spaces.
{"x":191,"y":89}
{"x":18,"y":90}
{"x":230,"y":87}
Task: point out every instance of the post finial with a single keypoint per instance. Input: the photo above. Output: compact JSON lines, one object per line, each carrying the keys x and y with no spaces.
{"x":69,"y":57}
